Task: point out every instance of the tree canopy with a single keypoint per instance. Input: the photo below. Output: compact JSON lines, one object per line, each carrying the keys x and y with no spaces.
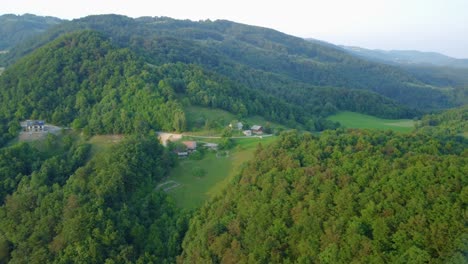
{"x":343,"y":197}
{"x":67,"y":209}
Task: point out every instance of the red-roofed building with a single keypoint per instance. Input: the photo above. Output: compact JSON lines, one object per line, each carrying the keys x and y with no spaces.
{"x":191,"y":145}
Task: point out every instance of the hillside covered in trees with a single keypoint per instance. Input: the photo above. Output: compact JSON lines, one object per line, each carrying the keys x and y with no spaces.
{"x":258,"y":58}
{"x":68,"y":207}
{"x":344,"y":197}
{"x":429,"y":67}
{"x":83,"y":81}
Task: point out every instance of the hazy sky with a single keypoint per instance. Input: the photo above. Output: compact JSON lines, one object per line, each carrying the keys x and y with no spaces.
{"x":427,"y":25}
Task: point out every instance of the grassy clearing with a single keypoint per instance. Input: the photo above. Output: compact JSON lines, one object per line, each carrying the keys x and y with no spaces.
{"x":100,"y":143}
{"x":356,"y":120}
{"x":208,"y":121}
{"x":217,"y":172}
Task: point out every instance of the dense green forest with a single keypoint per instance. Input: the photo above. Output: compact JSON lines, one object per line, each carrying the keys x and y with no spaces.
{"x":259,"y":58}
{"x":80,"y":80}
{"x":344,"y":197}
{"x":66,"y":207}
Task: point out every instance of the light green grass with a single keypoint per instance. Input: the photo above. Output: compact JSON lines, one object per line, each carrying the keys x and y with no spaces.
{"x":100,"y":143}
{"x":356,"y":120}
{"x":194,"y":191}
{"x":219,"y":119}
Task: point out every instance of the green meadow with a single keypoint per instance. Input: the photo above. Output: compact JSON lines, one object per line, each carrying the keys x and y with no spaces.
{"x":356,"y":120}
{"x":194,"y":181}
{"x":203,"y":120}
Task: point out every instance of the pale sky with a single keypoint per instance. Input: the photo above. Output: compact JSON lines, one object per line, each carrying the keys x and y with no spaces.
{"x":426,"y":25}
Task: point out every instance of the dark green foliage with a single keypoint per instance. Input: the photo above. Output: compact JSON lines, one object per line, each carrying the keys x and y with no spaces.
{"x":209,"y":89}
{"x":107,"y":211}
{"x":345,"y":197}
{"x":52,"y":166}
{"x":80,"y":80}
{"x":448,"y":123}
{"x":15,"y":163}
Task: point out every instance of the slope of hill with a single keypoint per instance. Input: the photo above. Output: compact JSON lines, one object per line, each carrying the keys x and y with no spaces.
{"x":451,"y":122}
{"x":16,"y":29}
{"x":259,"y":58}
{"x":81,"y":80}
{"x":429,"y":67}
{"x":409,"y":57}
{"x":345,"y":197}
{"x":69,"y":207}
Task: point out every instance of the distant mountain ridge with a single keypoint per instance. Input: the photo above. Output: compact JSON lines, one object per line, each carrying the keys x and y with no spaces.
{"x":408,"y":57}
{"x":260,"y":58}
{"x":16,"y":29}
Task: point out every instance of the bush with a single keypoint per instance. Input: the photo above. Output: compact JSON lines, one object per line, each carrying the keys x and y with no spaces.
{"x":198,"y":172}
{"x":196,"y":155}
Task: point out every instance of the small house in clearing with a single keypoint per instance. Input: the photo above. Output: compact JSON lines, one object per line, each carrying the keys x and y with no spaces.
{"x":191,"y":145}
{"x":256,"y":129}
{"x":33,"y":126}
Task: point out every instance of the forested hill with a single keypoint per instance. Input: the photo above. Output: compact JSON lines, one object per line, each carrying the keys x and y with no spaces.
{"x":429,"y":67}
{"x":259,"y":58}
{"x":16,"y":29}
{"x":344,"y":197}
{"x":81,"y":80}
{"x":71,"y":207}
{"x":85,"y":81}
{"x":410,"y":57}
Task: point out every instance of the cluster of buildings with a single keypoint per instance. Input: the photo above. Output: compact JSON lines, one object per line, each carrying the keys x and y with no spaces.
{"x":254,"y":130}
{"x":185,"y":148}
